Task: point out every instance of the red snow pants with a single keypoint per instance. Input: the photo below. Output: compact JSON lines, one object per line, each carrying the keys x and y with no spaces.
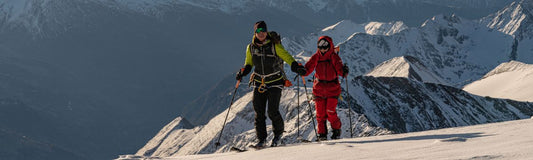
{"x":326,"y":99}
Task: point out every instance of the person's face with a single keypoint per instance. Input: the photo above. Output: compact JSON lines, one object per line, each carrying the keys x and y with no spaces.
{"x":323,"y":50}
{"x":323,"y":47}
{"x":260,"y":34}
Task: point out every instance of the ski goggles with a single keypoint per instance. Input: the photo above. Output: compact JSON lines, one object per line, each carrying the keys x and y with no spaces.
{"x":323,"y":44}
{"x":259,"y":30}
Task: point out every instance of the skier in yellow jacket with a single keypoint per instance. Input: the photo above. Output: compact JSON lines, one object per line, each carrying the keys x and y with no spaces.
{"x":266,"y":54}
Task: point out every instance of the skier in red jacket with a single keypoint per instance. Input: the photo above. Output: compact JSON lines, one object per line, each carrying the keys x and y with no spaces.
{"x":328,"y":67}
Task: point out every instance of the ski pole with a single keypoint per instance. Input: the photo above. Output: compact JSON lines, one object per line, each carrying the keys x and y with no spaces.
{"x":225,"y":119}
{"x":349,"y":108}
{"x":337,"y":50}
{"x":298,"y":104}
{"x":309,"y":104}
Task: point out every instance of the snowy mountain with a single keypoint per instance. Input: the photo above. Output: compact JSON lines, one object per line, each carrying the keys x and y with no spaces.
{"x":340,"y":32}
{"x":513,"y":20}
{"x":407,"y":67}
{"x":511,"y":80}
{"x":382,"y":105}
{"x":179,"y":128}
{"x":216,"y":99}
{"x":239,"y":129}
{"x":403,"y":105}
{"x":505,"y":140}
{"x":454,"y":48}
{"x":40,"y":16}
{"x":446,"y":49}
{"x":128,"y":67}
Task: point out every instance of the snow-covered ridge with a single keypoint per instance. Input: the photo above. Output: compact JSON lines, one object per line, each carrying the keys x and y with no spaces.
{"x":239,"y":129}
{"x":506,"y":140}
{"x":511,"y":80}
{"x":515,"y":19}
{"x":372,"y":28}
{"x":511,"y":66}
{"x":456,"y":49}
{"x":179,"y":128}
{"x":377,"y":28}
{"x":407,"y":67}
{"x":340,"y":32}
{"x":409,"y":106}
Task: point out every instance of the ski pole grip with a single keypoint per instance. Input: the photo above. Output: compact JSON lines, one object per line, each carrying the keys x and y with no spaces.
{"x":238,"y":83}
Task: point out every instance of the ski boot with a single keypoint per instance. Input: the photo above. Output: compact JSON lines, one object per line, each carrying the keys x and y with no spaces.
{"x":276,"y":141}
{"x":336,"y":134}
{"x":322,"y":137}
{"x":259,"y":145}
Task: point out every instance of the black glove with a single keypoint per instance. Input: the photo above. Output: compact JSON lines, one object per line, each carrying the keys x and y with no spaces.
{"x":345,"y":70}
{"x":301,"y":71}
{"x":298,"y":68}
{"x":239,"y":75}
{"x":243,"y":72}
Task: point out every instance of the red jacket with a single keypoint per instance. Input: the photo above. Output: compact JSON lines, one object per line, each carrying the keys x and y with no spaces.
{"x":327,"y":67}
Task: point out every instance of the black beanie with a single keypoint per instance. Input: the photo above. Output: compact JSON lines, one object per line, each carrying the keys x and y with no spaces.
{"x":260,"y":24}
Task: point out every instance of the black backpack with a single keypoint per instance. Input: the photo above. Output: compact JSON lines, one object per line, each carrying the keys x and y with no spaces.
{"x":274,"y":37}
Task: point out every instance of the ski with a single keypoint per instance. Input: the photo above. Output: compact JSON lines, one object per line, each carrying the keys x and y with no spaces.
{"x":305,"y":141}
{"x":257,"y":147}
{"x":238,"y":149}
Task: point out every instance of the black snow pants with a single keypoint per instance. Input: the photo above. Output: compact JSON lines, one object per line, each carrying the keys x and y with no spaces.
{"x":272,"y":96}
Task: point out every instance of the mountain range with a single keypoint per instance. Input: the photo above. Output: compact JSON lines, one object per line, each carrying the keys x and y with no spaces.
{"x":454,"y":50}
{"x":380,"y":105}
{"x":504,"y":140}
{"x":407,"y":81}
{"x":102,"y":76}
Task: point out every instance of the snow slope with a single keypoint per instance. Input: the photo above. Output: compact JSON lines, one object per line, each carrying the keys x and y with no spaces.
{"x":380,"y":105}
{"x":511,"y":80}
{"x":505,"y":140}
{"x":407,"y":67}
{"x":239,"y":129}
{"x":179,"y":128}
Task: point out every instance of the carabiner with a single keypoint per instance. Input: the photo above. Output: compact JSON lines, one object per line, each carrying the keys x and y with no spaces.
{"x":262,"y":88}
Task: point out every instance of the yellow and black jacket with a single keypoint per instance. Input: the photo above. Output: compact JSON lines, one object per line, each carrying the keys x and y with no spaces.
{"x":268,"y":60}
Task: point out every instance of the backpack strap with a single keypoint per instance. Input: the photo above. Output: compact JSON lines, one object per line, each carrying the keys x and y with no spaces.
{"x":280,"y":63}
